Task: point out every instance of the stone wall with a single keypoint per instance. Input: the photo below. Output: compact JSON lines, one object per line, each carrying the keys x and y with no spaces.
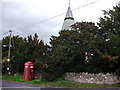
{"x":93,"y":78}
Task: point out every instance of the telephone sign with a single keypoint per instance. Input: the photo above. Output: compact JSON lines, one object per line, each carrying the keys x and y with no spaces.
{"x":29,"y":71}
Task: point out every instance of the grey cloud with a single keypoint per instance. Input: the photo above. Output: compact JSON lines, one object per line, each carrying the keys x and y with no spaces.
{"x":18,"y":18}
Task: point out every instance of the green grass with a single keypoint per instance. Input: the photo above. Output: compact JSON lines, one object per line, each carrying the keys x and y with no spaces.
{"x":20,"y":79}
{"x":58,"y":83}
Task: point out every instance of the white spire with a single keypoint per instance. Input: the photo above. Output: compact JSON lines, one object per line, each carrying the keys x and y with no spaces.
{"x":69,"y":13}
{"x":69,"y":20}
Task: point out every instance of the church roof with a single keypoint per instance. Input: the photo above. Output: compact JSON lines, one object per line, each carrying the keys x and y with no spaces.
{"x":69,"y":20}
{"x":69,"y":14}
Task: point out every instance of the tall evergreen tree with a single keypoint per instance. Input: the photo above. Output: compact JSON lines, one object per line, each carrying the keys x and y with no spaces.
{"x":23,"y":50}
{"x":110,"y":32}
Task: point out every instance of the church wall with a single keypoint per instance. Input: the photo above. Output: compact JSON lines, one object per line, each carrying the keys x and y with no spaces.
{"x":93,"y":78}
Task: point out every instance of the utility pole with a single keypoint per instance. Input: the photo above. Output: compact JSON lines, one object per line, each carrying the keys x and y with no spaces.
{"x":8,"y":68}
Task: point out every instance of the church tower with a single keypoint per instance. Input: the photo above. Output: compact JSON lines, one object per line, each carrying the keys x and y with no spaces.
{"x":69,"y":20}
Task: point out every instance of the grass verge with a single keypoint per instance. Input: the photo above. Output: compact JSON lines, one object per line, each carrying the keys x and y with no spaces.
{"x":58,"y":83}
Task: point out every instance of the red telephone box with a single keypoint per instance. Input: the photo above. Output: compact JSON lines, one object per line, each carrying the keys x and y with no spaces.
{"x":29,"y":71}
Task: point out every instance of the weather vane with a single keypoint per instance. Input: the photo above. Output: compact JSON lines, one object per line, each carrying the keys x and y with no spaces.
{"x":69,"y":3}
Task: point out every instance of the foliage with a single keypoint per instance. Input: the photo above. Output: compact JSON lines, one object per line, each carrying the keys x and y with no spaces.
{"x":23,"y":50}
{"x":69,"y":48}
{"x":110,"y":30}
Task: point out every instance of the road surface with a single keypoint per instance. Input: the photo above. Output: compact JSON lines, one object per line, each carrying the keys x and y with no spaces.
{"x":11,"y":85}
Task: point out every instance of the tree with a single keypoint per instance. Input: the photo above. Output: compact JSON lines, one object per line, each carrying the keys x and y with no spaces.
{"x":69,"y":48}
{"x":16,"y":51}
{"x":110,"y":34}
{"x":23,"y":50}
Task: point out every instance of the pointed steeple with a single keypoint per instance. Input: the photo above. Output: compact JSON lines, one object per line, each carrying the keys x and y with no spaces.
{"x":69,"y":20}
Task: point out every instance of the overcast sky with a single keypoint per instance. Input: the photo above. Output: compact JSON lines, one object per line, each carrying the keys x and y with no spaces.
{"x":26,"y":17}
